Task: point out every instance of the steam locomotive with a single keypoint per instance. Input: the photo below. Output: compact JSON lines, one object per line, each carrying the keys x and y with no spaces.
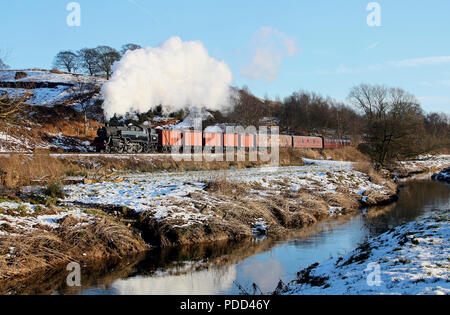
{"x":141,"y":139}
{"x":126,"y":139}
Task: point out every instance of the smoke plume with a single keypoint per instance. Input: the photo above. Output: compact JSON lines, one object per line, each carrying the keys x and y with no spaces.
{"x":176,"y":74}
{"x":270,"y":47}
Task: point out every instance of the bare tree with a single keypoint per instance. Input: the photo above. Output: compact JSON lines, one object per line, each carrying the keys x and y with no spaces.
{"x":107,"y":56}
{"x":437,"y":126}
{"x":394,"y":122}
{"x":437,"y":123}
{"x":248,"y":110}
{"x":67,"y":60}
{"x":3,"y":65}
{"x":89,"y":60}
{"x":3,"y":56}
{"x":128,"y":47}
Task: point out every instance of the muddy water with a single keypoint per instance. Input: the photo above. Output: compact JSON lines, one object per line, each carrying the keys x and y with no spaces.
{"x":222,"y":268}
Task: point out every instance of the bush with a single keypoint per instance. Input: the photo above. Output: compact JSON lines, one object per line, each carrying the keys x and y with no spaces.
{"x":57,"y":71}
{"x":54,"y":190}
{"x":20,"y":75}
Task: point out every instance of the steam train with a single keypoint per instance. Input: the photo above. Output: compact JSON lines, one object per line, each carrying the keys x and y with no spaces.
{"x":141,"y":139}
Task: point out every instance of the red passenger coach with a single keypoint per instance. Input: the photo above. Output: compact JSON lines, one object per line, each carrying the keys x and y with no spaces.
{"x":230,"y":140}
{"x":266,"y":141}
{"x":212,"y":140}
{"x":169,"y":138}
{"x":235,"y":140}
{"x":249,"y":141}
{"x":330,"y":143}
{"x":308,"y":142}
{"x":193,"y":139}
{"x":285,"y":141}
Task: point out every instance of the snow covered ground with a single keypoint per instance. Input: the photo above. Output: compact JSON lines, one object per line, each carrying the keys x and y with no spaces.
{"x":425,"y":163}
{"x":410,"y":259}
{"x":22,"y":218}
{"x":54,"y":88}
{"x":23,"y":144}
{"x":9,"y":143}
{"x":181,"y":195}
{"x":45,"y":76}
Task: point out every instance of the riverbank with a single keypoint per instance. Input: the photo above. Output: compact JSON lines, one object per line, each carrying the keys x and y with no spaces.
{"x":36,"y":239}
{"x":165,"y":209}
{"x":124,"y":214}
{"x":421,"y":167}
{"x":410,"y":259}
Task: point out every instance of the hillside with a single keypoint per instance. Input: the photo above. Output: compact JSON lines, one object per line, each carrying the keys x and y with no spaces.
{"x":48,"y":88}
{"x":51,"y":117}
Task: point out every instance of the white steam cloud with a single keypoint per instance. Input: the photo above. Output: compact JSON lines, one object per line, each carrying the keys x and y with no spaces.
{"x":176,"y":74}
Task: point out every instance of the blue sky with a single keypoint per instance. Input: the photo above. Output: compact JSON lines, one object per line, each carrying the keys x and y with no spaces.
{"x":325,"y":46}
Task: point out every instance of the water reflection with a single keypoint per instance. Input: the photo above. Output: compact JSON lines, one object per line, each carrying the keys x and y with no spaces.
{"x":205,"y":282}
{"x":417,"y":198}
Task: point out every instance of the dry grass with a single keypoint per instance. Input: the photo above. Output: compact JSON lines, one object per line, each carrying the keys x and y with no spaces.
{"x":379,"y":178}
{"x":350,"y":154}
{"x":293,"y":157}
{"x":19,"y":170}
{"x":57,"y":71}
{"x":223,"y":186}
{"x":22,"y":256}
{"x":343,"y":200}
{"x":239,"y":209}
{"x":376,"y":177}
{"x":308,"y":153}
{"x":64,"y":120}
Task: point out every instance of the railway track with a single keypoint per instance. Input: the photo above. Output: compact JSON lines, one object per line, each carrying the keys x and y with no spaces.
{"x":93,"y":154}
